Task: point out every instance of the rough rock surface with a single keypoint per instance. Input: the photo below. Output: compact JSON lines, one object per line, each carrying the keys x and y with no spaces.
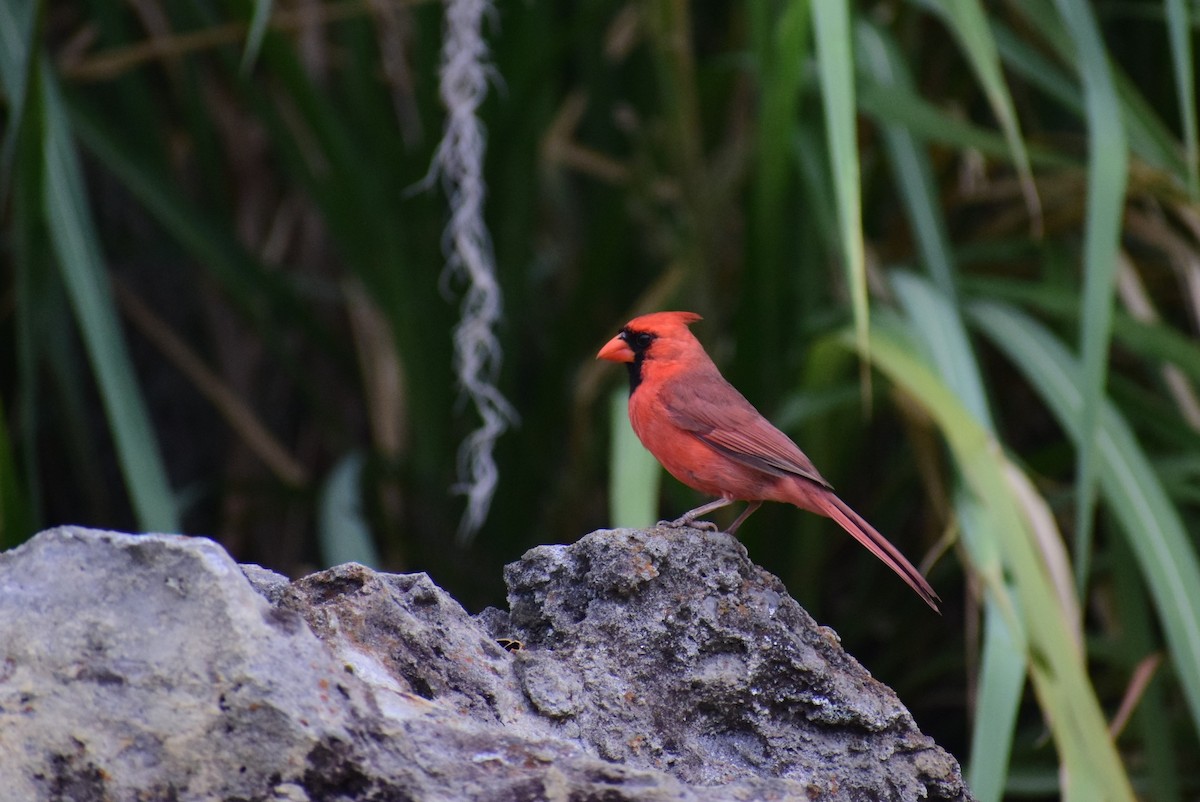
{"x":656,"y":665}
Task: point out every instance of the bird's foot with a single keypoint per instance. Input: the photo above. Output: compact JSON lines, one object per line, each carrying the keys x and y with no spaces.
{"x":679,"y":523}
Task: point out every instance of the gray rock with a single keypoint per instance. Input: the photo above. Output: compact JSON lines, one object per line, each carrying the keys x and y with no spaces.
{"x":655,"y":667}
{"x":671,"y":650}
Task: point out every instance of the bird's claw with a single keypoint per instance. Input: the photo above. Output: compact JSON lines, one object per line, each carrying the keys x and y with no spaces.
{"x":679,"y":523}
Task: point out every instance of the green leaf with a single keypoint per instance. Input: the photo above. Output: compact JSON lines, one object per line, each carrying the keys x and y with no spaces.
{"x":1151,"y":525}
{"x":1108,"y":162}
{"x":1030,"y":62}
{"x":835,"y":60}
{"x":17,"y":25}
{"x":1002,"y":670}
{"x":634,"y":475}
{"x":267,"y":297}
{"x":343,"y":532}
{"x":966,"y":18}
{"x":82,"y":266}
{"x":1091,"y":764}
{"x":1139,"y":639}
{"x":781,"y":44}
{"x":1148,"y":136}
{"x":783,"y":50}
{"x":1179,"y":29}
{"x":939,"y":329}
{"x":910,"y":166}
{"x":1157,"y":342}
{"x":258,"y":29}
{"x":936,"y":323}
{"x":898,"y":106}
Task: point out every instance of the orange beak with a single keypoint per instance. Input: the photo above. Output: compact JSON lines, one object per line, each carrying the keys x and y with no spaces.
{"x":615,"y":350}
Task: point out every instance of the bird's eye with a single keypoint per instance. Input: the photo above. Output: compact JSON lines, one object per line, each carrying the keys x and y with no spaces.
{"x":642,"y":340}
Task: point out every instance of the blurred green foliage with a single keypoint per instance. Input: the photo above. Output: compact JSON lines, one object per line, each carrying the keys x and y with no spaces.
{"x":221,"y":313}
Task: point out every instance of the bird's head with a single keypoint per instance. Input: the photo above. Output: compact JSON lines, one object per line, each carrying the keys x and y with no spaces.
{"x":660,"y":336}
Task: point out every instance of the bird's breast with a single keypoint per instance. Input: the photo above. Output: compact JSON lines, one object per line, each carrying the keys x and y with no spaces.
{"x":689,"y":459}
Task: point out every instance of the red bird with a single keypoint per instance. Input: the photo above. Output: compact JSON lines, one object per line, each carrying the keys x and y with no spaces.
{"x":708,"y":436}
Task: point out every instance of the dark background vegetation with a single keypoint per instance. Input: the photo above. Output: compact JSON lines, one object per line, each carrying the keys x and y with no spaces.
{"x":255,"y":219}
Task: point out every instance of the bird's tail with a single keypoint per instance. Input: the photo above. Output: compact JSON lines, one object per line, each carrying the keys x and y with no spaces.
{"x":878,"y":545}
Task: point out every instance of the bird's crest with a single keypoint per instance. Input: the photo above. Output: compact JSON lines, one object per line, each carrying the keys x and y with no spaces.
{"x":656,"y":321}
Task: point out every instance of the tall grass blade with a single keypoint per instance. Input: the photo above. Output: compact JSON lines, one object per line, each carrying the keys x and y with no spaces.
{"x":939,"y":328}
{"x":259,"y":19}
{"x":1031,"y":64}
{"x":815,"y":182}
{"x":1151,"y":525}
{"x":1139,"y":637}
{"x":1002,"y":658}
{"x":1001,"y":684}
{"x":935,"y":321}
{"x":82,"y":265}
{"x":896,"y":106}
{"x":1179,"y":30}
{"x":937,"y":325}
{"x":1107,"y":173}
{"x":967,"y":20}
{"x":781,"y":40}
{"x":1156,"y":342}
{"x":1091,"y":764}
{"x":1149,"y":137}
{"x":835,"y":60}
{"x":634,"y":477}
{"x":263,"y":295}
{"x":343,"y":531}
{"x":914,"y":177}
{"x":17,"y":22}
{"x":784,"y":46}
{"x":30,"y":265}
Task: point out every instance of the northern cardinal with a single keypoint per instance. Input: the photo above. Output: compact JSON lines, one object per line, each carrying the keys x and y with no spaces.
{"x":708,"y":436}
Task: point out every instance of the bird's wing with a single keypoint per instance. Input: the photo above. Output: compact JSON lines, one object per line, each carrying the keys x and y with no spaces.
{"x":712,"y":410}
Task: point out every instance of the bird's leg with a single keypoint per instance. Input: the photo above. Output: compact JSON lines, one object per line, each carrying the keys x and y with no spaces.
{"x":689,"y":517}
{"x":754,"y":505}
